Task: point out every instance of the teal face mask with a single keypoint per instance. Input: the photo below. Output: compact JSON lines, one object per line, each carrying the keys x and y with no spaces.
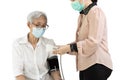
{"x":38,"y":32}
{"x":76,"y":5}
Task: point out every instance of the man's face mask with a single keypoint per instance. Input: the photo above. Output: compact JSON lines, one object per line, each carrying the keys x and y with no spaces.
{"x":38,"y":32}
{"x":76,"y":5}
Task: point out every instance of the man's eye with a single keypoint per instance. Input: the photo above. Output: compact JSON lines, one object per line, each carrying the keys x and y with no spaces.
{"x":37,"y":25}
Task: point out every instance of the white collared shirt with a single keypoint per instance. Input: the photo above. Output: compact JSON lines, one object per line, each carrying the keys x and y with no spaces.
{"x":31,"y":62}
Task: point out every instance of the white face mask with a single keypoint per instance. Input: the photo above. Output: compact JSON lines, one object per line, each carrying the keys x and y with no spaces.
{"x":38,"y":32}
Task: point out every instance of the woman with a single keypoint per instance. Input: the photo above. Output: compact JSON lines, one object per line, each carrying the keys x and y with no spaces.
{"x":32,"y":57}
{"x":92,"y":57}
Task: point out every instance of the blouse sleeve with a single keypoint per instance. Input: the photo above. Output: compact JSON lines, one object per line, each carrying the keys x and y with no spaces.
{"x":96,"y":24}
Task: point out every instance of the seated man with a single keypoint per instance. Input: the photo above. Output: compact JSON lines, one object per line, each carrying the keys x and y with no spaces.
{"x":32,"y":57}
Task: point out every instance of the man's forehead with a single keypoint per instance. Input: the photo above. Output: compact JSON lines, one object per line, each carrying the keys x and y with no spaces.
{"x":39,"y":22}
{"x":40,"y":19}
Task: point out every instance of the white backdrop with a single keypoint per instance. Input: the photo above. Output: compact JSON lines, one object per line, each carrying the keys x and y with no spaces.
{"x":62,"y":20}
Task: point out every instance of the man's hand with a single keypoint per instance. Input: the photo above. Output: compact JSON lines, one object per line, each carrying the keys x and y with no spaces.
{"x":62,"y":49}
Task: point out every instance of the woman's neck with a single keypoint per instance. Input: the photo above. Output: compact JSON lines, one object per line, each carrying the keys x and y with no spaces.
{"x":87,"y":3}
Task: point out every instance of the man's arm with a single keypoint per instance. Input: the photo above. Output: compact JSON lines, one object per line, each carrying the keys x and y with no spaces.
{"x":53,"y":65}
{"x":56,"y":75}
{"x":20,"y":77}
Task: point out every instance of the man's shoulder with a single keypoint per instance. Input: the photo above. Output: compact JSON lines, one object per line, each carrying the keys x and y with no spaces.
{"x":47,"y":40}
{"x":20,"y":40}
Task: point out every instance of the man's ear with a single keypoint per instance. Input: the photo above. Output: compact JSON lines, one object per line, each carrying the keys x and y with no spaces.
{"x":28,"y":24}
{"x":30,"y":27}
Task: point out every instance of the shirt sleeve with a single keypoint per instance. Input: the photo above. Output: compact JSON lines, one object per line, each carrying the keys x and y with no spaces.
{"x":50,"y":47}
{"x":96,"y":24}
{"x":17,"y":60}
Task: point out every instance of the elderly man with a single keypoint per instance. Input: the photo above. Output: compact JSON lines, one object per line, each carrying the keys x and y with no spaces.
{"x":32,"y":54}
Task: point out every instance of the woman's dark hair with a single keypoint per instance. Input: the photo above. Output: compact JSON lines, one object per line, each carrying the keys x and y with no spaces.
{"x":94,"y":0}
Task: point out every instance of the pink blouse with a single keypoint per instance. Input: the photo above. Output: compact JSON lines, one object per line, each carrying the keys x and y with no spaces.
{"x":91,"y":38}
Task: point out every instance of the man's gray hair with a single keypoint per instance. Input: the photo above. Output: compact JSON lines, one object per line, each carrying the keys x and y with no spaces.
{"x":35,"y":15}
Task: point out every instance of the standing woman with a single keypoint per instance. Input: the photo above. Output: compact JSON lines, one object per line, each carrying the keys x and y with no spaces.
{"x":92,"y":56}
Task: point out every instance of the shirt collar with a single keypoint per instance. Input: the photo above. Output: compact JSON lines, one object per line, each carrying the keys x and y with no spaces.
{"x":86,"y":10}
{"x":25,"y":40}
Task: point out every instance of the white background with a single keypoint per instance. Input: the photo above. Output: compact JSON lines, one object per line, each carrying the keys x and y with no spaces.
{"x":62,"y":20}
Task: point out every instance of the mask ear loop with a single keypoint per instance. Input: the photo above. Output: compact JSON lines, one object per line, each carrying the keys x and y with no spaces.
{"x":83,"y":1}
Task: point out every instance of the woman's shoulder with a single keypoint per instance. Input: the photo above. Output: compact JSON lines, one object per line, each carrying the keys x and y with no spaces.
{"x":95,"y":8}
{"x":96,"y":11}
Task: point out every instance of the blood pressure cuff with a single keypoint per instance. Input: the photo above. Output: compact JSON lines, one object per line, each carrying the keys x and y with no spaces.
{"x":53,"y":63}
